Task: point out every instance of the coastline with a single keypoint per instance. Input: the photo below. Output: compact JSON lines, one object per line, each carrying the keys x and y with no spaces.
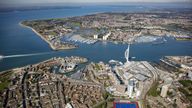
{"x":41,"y":36}
{"x":43,"y":61}
{"x":21,"y":67}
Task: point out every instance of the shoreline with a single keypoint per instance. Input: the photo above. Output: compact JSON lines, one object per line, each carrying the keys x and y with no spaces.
{"x":68,"y":48}
{"x":24,"y":66}
{"x":41,"y":36}
{"x":42,"y":61}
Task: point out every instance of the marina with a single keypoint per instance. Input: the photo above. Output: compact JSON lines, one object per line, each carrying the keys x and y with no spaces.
{"x":24,"y":41}
{"x":96,"y":56}
{"x":78,"y":38}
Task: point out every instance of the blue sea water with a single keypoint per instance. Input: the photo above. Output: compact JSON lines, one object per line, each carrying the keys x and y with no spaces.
{"x":15,"y":39}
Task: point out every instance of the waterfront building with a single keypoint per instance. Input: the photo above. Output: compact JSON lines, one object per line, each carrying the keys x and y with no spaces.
{"x":106,"y":36}
{"x":130,"y":88}
{"x":66,"y":67}
{"x":164,"y":90}
{"x":95,"y":36}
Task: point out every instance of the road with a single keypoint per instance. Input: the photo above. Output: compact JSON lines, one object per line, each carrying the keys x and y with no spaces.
{"x":23,"y":86}
{"x":154,"y":73}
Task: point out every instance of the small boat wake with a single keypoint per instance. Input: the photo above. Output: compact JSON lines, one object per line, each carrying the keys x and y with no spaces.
{"x":23,"y":55}
{"x":1,"y":57}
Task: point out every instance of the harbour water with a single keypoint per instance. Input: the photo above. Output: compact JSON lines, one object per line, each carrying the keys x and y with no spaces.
{"x":15,"y":39}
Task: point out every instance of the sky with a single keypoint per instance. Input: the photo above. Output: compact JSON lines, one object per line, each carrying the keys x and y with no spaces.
{"x":28,"y":2}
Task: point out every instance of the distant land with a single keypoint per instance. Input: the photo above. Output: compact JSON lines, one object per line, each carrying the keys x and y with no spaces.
{"x":45,"y":6}
{"x":155,"y":72}
{"x":132,"y":27}
{"x":12,"y":9}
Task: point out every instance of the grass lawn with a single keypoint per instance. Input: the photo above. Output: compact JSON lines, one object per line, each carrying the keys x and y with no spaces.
{"x":5,"y":80}
{"x":153,"y":90}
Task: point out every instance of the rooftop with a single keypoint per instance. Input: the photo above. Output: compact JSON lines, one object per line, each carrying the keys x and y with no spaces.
{"x":140,"y":77}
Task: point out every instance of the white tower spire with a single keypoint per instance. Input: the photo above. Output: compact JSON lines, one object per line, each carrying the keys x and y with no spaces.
{"x":127,"y":54}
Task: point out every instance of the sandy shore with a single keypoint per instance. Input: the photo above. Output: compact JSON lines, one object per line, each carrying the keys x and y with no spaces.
{"x":50,"y":44}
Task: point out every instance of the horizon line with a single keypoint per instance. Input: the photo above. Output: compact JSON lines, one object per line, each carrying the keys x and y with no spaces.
{"x":92,"y":3}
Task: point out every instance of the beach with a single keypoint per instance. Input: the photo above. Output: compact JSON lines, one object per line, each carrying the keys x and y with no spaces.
{"x":42,"y":37}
